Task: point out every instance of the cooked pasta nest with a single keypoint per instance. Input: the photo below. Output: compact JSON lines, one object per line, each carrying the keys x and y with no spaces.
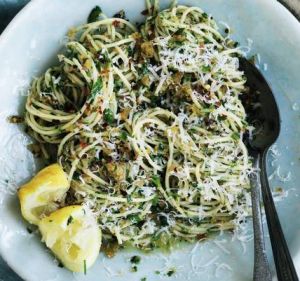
{"x":147,"y":123}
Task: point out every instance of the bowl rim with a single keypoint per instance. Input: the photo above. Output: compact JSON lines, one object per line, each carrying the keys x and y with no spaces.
{"x":34,"y":3}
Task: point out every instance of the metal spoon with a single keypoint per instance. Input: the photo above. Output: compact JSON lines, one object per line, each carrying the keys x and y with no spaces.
{"x":263,"y":114}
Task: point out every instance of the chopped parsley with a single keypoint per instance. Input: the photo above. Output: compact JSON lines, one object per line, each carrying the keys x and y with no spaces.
{"x":135,"y":259}
{"x":84,"y":267}
{"x":123,"y":135}
{"x":206,"y":68}
{"x":144,"y":69}
{"x":155,"y":201}
{"x":108,"y":116}
{"x":235,"y":136}
{"x":118,"y":85}
{"x":134,"y":218}
{"x":103,"y":60}
{"x":134,"y":268}
{"x":94,"y":14}
{"x":129,"y":198}
{"x":130,"y":51}
{"x":170,"y":272}
{"x":156,"y":181}
{"x":121,"y":15}
{"x":161,"y":146}
{"x":96,"y":88}
{"x":70,"y":219}
{"x":29,"y":230}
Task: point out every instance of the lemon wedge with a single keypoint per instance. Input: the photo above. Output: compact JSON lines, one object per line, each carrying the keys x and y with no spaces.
{"x":73,"y":235}
{"x":41,"y":194}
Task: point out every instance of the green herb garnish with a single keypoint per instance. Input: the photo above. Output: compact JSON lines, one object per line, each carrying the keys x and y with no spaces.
{"x":134,"y":268}
{"x":194,"y":184}
{"x":76,"y":176}
{"x":97,"y":86}
{"x":155,"y":100}
{"x":171,"y":272}
{"x":134,"y":218}
{"x":161,"y":146}
{"x":235,"y":136}
{"x":130,"y":51}
{"x":144,"y":69}
{"x":206,"y":68}
{"x":206,"y":40}
{"x":118,"y":85}
{"x":155,"y":201}
{"x":135,"y":259}
{"x":104,"y":59}
{"x":173,"y":43}
{"x":120,"y":15}
{"x":123,"y":135}
{"x":156,"y":181}
{"x":108,"y":116}
{"x":70,"y":219}
{"x":29,"y":230}
{"x":84,"y":267}
{"x":129,"y":198}
{"x":94,"y":14}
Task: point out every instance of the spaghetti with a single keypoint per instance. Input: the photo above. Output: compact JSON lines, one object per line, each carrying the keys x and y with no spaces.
{"x":148,"y":125}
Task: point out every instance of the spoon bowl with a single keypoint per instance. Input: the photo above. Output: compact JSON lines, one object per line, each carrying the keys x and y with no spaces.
{"x":261,"y":107}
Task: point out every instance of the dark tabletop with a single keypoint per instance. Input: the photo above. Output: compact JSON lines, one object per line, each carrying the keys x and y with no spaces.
{"x":8,"y":9}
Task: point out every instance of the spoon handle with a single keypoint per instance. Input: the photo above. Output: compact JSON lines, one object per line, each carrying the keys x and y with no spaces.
{"x":284,"y":264}
{"x":261,"y":266}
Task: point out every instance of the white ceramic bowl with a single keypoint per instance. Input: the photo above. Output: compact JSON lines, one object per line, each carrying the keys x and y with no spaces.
{"x":29,"y":45}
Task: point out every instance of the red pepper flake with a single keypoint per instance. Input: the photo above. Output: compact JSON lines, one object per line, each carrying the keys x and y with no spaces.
{"x":116,"y":23}
{"x":83,"y":144}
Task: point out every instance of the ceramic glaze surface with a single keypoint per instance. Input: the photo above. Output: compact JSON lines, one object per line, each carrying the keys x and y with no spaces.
{"x":30,"y":44}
